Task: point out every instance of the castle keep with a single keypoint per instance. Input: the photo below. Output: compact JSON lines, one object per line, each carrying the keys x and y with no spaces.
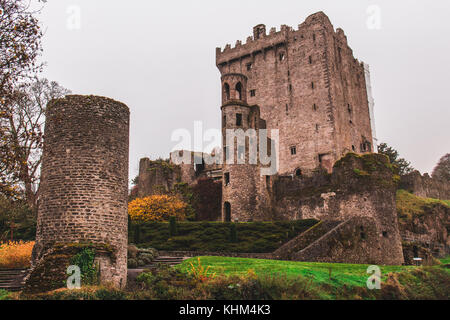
{"x":306,"y":84}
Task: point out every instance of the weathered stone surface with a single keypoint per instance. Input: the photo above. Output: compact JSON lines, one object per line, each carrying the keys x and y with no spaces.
{"x":357,"y":240}
{"x":425,"y":186}
{"x":359,"y":187}
{"x":309,"y":86}
{"x":84,"y":180}
{"x":428,"y":230}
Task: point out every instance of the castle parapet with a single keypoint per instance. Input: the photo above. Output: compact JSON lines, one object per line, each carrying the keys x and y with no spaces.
{"x":261,"y":41}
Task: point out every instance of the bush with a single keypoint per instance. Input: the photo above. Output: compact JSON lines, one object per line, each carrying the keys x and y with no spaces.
{"x":172,"y":226}
{"x":140,"y":257}
{"x":16,"y":255}
{"x":233,"y":233}
{"x":157,"y":208}
{"x":85,"y":261}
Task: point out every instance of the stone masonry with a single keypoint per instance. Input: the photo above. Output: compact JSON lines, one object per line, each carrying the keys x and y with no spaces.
{"x":308,"y":85}
{"x":83,"y":199}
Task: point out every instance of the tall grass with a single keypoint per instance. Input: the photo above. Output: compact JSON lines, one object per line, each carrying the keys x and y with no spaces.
{"x":15,"y":255}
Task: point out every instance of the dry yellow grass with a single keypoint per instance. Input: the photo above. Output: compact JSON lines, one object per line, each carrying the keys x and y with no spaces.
{"x":15,"y":255}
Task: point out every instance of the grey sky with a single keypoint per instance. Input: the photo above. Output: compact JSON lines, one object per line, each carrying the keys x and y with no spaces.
{"x":158,"y":57}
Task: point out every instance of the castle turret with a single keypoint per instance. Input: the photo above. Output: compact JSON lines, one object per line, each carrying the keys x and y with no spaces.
{"x":240,"y":150}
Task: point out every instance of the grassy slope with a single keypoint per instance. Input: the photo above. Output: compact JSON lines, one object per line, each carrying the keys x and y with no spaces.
{"x":347,"y":281}
{"x":410,"y":205}
{"x":349,"y":274}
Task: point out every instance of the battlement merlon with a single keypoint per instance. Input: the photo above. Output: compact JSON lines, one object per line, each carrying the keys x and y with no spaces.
{"x":261,"y":41}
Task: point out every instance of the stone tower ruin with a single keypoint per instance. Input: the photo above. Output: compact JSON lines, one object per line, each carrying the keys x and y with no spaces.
{"x":83,"y":199}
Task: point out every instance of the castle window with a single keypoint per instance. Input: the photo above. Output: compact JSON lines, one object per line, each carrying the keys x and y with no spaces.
{"x":293,"y":151}
{"x":287,"y":108}
{"x":238,"y":119}
{"x":226,"y":153}
{"x":226,"y":88}
{"x":312,"y":85}
{"x":310,"y":59}
{"x":353,"y":148}
{"x":241,"y":152}
{"x":249,"y":66}
{"x":314,"y":107}
{"x":349,"y":108}
{"x":252,"y":93}
{"x":385,"y":234}
{"x":282,"y":56}
{"x":268,"y":181}
{"x":239,"y":91}
{"x":314,"y":37}
{"x":317,"y":128}
{"x":227,"y":178}
{"x":298,"y":172}
{"x":290,"y":88}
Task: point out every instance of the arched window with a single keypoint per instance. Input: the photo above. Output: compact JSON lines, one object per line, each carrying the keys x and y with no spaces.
{"x":298,"y":172}
{"x":226,"y":89}
{"x":227,"y":211}
{"x":239,"y":91}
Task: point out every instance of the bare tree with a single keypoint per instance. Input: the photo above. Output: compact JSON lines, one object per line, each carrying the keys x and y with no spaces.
{"x":20,"y":44}
{"x":22,"y":137}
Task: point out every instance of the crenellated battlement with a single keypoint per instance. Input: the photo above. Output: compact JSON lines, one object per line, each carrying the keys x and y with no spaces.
{"x":261,"y":40}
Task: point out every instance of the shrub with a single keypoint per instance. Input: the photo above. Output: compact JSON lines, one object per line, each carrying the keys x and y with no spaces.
{"x":172,"y":226}
{"x":15,"y":255}
{"x":233,"y":233}
{"x":157,"y":208}
{"x":215,"y":236}
{"x":85,"y":261}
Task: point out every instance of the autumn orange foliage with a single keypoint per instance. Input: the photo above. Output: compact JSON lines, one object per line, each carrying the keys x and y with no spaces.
{"x":157,"y":208}
{"x":15,"y":254}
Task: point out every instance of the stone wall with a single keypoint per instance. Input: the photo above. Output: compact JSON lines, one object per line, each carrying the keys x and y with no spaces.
{"x":429,"y":230}
{"x":156,"y":177}
{"x":84,"y":181}
{"x":425,"y":186}
{"x":359,"y":187}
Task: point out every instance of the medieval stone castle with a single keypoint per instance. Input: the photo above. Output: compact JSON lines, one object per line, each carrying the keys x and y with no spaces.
{"x":307,"y":86}
{"x":305,"y":83}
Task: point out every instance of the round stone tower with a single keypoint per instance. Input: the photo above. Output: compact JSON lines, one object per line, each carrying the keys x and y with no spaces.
{"x":240,"y":150}
{"x":83,"y":197}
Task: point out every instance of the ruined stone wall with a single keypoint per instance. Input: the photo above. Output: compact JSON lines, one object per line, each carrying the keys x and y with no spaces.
{"x":84,"y":181}
{"x":425,"y":186}
{"x":309,"y":86}
{"x":360,"y":186}
{"x":156,"y":177}
{"x":430,"y":230}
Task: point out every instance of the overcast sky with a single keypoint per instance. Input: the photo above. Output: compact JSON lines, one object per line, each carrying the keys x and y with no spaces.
{"x":158,"y":57}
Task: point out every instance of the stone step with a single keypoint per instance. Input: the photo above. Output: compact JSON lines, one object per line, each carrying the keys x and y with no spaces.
{"x":12,"y":279}
{"x":11,"y":288}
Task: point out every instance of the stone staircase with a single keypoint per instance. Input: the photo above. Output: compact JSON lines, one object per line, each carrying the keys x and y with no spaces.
{"x":303,"y":240}
{"x":12,"y":279}
{"x":171,"y":261}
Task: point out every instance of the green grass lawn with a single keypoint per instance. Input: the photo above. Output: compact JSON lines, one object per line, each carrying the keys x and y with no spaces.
{"x":348,"y":274}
